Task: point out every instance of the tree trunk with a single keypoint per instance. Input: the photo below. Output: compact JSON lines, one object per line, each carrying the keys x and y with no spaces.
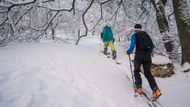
{"x":163,"y":26}
{"x":183,"y":25}
{"x":161,"y":17}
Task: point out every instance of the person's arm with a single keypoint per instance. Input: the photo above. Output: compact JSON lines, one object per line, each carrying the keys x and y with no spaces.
{"x":132,"y":45}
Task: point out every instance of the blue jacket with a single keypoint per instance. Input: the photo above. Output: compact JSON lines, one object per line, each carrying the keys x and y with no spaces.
{"x":107,"y":34}
{"x":133,"y":44}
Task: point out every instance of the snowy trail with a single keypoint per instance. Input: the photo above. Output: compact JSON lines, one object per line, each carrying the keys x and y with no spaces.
{"x":53,"y":75}
{"x":61,"y":75}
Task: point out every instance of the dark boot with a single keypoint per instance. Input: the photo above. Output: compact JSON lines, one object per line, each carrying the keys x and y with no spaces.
{"x":105,"y":51}
{"x":114,"y":55}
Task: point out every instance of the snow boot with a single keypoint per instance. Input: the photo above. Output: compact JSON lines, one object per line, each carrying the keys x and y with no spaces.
{"x":139,"y":91}
{"x":156,"y":94}
{"x":113,"y":54}
{"x":105,"y":51}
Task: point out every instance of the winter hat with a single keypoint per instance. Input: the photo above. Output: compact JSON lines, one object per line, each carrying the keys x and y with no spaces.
{"x":138,"y":26}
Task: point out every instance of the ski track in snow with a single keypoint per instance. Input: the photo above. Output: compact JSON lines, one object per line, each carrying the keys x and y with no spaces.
{"x":59,"y":75}
{"x":33,"y":82}
{"x":25,"y":83}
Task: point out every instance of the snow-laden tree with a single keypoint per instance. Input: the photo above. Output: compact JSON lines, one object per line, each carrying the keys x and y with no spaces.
{"x":31,"y":20}
{"x":163,"y":25}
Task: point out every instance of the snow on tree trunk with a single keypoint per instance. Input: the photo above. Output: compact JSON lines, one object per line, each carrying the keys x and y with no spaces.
{"x":163,"y":26}
{"x":183,"y":24}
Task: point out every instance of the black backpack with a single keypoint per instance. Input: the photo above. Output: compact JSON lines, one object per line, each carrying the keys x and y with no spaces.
{"x":143,"y":41}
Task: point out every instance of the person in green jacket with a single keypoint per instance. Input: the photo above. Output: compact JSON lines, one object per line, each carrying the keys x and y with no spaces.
{"x":108,"y":39}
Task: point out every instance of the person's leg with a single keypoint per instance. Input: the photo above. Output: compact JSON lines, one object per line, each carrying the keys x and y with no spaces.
{"x":152,"y":82}
{"x":137,"y":64}
{"x":106,"y":47}
{"x":147,"y":72}
{"x":113,"y":49}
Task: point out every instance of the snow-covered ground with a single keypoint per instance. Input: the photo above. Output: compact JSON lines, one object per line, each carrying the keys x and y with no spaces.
{"x":49,"y":74}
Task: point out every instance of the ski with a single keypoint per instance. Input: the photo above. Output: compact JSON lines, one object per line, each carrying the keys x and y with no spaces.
{"x":109,"y":56}
{"x":117,"y":62}
{"x":148,"y":102}
{"x":145,"y":98}
{"x":153,"y":100}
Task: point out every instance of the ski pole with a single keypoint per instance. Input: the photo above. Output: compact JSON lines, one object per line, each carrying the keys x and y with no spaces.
{"x":132,"y":76}
{"x":100,"y":44}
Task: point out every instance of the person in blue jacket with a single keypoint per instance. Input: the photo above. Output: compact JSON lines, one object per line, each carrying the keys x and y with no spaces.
{"x":143,"y":57}
{"x":108,"y":39}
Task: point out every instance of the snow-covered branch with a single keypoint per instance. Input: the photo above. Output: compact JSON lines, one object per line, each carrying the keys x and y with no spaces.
{"x":14,"y":4}
{"x":101,"y":13}
{"x":84,"y":22}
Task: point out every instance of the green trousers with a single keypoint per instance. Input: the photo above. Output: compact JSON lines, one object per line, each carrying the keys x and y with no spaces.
{"x":111,"y":44}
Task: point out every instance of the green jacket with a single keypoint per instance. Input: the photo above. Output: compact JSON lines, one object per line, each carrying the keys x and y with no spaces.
{"x":107,"y":34}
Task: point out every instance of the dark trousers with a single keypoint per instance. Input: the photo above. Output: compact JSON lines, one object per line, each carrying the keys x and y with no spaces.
{"x":146,"y":61}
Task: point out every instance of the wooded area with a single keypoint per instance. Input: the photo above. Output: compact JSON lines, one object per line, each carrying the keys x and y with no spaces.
{"x":30,"y":20}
